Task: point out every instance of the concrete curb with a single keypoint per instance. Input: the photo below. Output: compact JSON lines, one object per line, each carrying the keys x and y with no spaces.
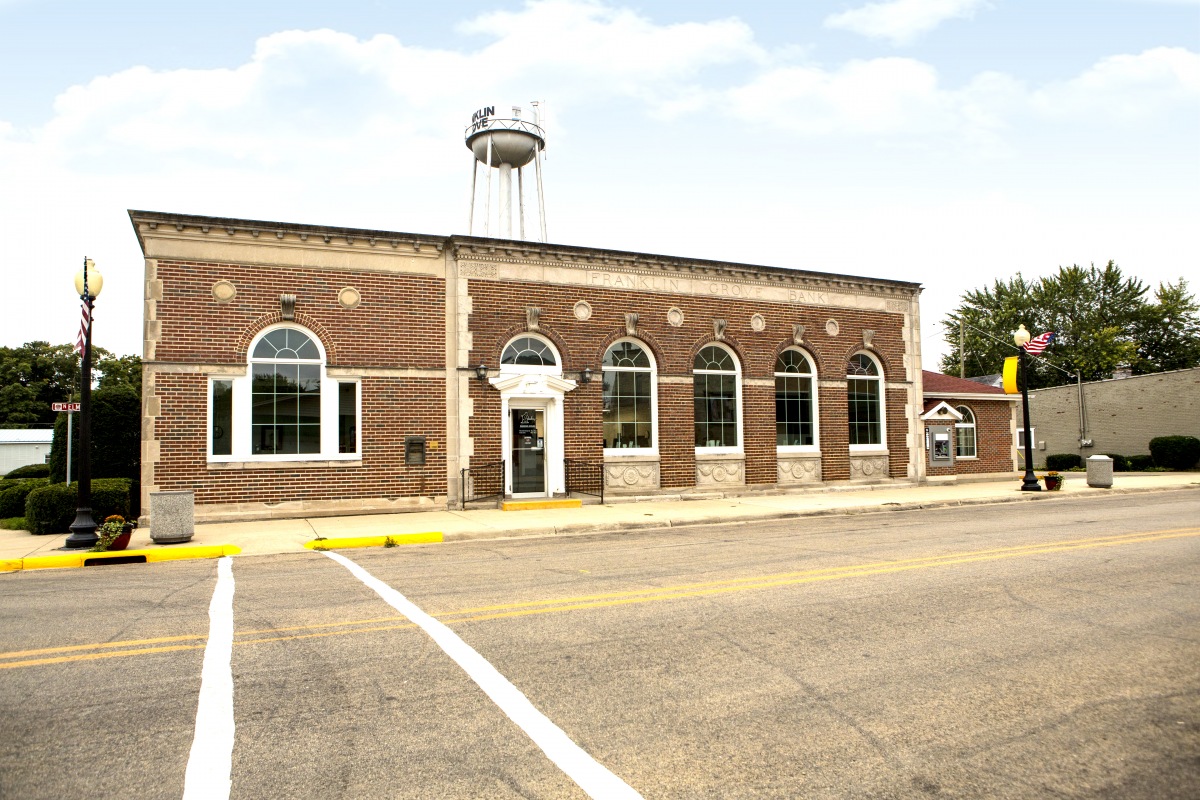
{"x":430,"y":537}
{"x":86,"y":558}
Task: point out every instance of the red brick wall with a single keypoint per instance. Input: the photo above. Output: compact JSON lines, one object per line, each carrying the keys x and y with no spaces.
{"x":379,"y":332}
{"x":993,"y":439}
{"x":498,"y":314}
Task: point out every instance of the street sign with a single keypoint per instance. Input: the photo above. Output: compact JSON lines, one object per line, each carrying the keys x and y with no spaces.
{"x":64,"y":406}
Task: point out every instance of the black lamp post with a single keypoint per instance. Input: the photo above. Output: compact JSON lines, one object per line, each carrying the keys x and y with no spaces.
{"x":1030,"y":482}
{"x":88,"y":282}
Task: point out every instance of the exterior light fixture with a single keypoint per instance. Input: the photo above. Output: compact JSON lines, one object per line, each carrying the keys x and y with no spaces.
{"x":481,"y":371}
{"x":88,"y":282}
{"x":1030,"y":482}
{"x":586,"y":375}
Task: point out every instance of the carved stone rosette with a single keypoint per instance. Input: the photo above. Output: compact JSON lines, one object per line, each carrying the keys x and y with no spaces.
{"x":798,"y":469}
{"x":641,"y":475}
{"x":863,"y":468}
{"x":731,"y":472}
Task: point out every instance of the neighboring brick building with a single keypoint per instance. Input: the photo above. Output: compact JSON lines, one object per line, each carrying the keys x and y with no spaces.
{"x":970,"y":427}
{"x":1120,"y":415}
{"x":304,"y":370}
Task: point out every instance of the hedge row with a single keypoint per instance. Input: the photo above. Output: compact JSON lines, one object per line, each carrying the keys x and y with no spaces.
{"x":51,"y":509}
{"x":1169,"y":452}
{"x":29,"y":471}
{"x":12,"y":497}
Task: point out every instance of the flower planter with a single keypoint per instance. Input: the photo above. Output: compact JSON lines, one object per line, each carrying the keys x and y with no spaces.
{"x":1053,"y":483}
{"x":122,"y":540}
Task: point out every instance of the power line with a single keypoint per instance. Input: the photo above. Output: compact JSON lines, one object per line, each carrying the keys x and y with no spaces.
{"x":1014,"y":347}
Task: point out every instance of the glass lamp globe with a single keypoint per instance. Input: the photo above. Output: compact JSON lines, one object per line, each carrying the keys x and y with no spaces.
{"x":1021,"y":336}
{"x":95,"y":281}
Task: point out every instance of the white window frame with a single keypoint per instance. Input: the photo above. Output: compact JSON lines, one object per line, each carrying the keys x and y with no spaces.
{"x":882,"y":447}
{"x":739,"y":448}
{"x":1021,"y":439}
{"x":970,"y":413}
{"x":652,"y":450}
{"x":815,"y":447}
{"x":243,"y":411}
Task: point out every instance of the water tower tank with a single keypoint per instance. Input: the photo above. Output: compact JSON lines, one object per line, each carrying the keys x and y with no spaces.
{"x":502,"y":143}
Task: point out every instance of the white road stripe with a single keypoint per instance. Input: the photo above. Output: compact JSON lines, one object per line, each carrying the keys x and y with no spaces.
{"x":211,"y":761}
{"x":592,"y":777}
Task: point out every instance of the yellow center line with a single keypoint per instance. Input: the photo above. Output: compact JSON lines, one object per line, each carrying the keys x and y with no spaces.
{"x":583,"y":602}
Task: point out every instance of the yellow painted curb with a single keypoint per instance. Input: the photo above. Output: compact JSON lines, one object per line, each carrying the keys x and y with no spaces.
{"x":538,"y":505}
{"x":85,"y":558}
{"x":374,"y":541}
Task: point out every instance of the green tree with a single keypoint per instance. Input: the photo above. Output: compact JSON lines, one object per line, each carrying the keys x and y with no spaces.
{"x":120,"y":371}
{"x":1168,"y":333}
{"x":47,"y":374}
{"x":1100,"y":317}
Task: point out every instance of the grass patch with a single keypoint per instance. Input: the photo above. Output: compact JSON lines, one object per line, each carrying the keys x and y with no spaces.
{"x":14,"y":524}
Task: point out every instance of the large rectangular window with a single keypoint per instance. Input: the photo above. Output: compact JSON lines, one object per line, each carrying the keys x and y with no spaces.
{"x":793,"y":411}
{"x":866,"y":422}
{"x":627,"y":409}
{"x":716,"y":410}
{"x":286,"y":414}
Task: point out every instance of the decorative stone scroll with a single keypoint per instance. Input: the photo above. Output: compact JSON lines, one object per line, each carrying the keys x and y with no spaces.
{"x":719,"y":329}
{"x":531,"y":317}
{"x":631,"y":323}
{"x":797,"y":335}
{"x":868,"y":337}
{"x":287,"y":306}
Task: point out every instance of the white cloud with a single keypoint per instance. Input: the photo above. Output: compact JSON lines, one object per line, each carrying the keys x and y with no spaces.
{"x":903,"y":21}
{"x":1128,"y":88}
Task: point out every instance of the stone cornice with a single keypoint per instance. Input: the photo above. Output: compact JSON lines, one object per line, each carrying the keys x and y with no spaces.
{"x":484,"y":251}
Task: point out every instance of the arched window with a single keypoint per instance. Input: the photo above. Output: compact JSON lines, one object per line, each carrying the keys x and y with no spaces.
{"x":285,"y":407}
{"x":286,"y":394}
{"x":716,"y":391}
{"x":864,"y":396}
{"x":629,"y":397}
{"x":964,"y":434}
{"x":528,"y":351}
{"x":795,"y":400}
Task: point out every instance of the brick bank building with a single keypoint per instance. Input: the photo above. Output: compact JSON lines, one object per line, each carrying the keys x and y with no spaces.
{"x":301,"y":370}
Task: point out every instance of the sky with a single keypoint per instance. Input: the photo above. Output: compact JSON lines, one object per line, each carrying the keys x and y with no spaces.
{"x":944,"y":142}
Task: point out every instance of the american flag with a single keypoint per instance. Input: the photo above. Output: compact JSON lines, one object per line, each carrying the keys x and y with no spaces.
{"x":81,"y":341}
{"x":1037,"y":344}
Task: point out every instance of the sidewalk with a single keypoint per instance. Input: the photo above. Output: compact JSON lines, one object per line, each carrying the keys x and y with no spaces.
{"x":289,"y":536}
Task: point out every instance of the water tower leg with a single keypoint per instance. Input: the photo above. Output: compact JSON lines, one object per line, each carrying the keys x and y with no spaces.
{"x":521,"y":198}
{"x":537,"y":167}
{"x":506,"y":200}
{"x":487,"y":204}
{"x":471,"y":212}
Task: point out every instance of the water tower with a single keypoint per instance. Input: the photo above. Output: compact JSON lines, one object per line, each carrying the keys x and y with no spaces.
{"x":504,"y":143}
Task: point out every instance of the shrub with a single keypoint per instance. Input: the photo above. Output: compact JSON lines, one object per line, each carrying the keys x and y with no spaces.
{"x":1061,"y":461}
{"x":51,"y":509}
{"x":12,"y":499}
{"x":29,"y":471}
{"x":1120,"y":462}
{"x":1140,"y":463}
{"x":1175,"y":452}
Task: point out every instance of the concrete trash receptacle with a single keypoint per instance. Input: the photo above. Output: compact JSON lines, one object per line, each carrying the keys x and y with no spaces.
{"x":172,"y":516}
{"x":1100,"y":472}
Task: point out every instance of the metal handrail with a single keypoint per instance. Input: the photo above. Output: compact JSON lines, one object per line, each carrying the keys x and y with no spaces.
{"x":482,"y":482}
{"x":584,"y":477}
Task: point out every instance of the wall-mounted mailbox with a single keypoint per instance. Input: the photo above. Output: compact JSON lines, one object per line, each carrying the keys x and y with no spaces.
{"x":414,"y":451}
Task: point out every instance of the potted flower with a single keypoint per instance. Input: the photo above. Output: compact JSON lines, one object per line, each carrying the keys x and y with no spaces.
{"x":1053,"y":481}
{"x":114,"y":534}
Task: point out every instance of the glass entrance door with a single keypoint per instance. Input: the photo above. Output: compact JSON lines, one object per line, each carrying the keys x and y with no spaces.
{"x":528,"y":461}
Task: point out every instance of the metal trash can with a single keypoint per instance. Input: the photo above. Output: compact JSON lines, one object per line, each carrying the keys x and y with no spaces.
{"x":1100,"y":472}
{"x":172,"y":516}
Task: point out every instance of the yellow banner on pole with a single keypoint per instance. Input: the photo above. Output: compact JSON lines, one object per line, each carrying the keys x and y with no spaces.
{"x":1010,"y":375}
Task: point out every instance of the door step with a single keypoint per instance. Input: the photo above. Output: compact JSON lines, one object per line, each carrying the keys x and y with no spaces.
{"x":539,"y":505}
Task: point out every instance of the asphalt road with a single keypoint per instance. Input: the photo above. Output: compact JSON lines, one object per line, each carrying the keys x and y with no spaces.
{"x":1020,"y":650}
